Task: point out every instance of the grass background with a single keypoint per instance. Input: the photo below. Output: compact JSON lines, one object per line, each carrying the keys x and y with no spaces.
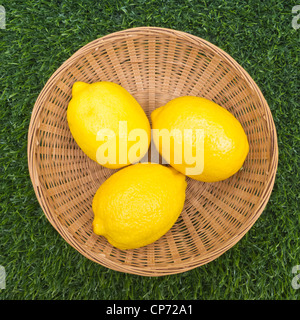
{"x":39,"y":36}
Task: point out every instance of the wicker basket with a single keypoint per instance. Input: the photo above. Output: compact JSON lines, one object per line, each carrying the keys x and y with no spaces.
{"x":155,"y":65}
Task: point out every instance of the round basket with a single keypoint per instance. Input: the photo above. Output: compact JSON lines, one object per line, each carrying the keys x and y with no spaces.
{"x":155,"y":65}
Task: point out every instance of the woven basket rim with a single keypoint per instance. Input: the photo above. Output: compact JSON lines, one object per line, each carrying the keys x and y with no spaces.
{"x":39,"y":189}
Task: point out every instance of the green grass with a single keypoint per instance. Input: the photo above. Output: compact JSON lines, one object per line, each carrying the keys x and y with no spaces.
{"x":39,"y":37}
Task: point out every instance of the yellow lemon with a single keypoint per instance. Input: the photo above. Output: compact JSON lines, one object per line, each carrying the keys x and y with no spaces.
{"x":203,"y":131}
{"x":103,"y":118}
{"x":138,"y":204}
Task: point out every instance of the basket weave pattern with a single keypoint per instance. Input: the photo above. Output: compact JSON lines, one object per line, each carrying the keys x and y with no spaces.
{"x":155,"y":65}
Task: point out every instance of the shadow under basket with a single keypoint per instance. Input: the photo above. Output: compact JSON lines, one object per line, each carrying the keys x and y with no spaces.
{"x":155,"y":65}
